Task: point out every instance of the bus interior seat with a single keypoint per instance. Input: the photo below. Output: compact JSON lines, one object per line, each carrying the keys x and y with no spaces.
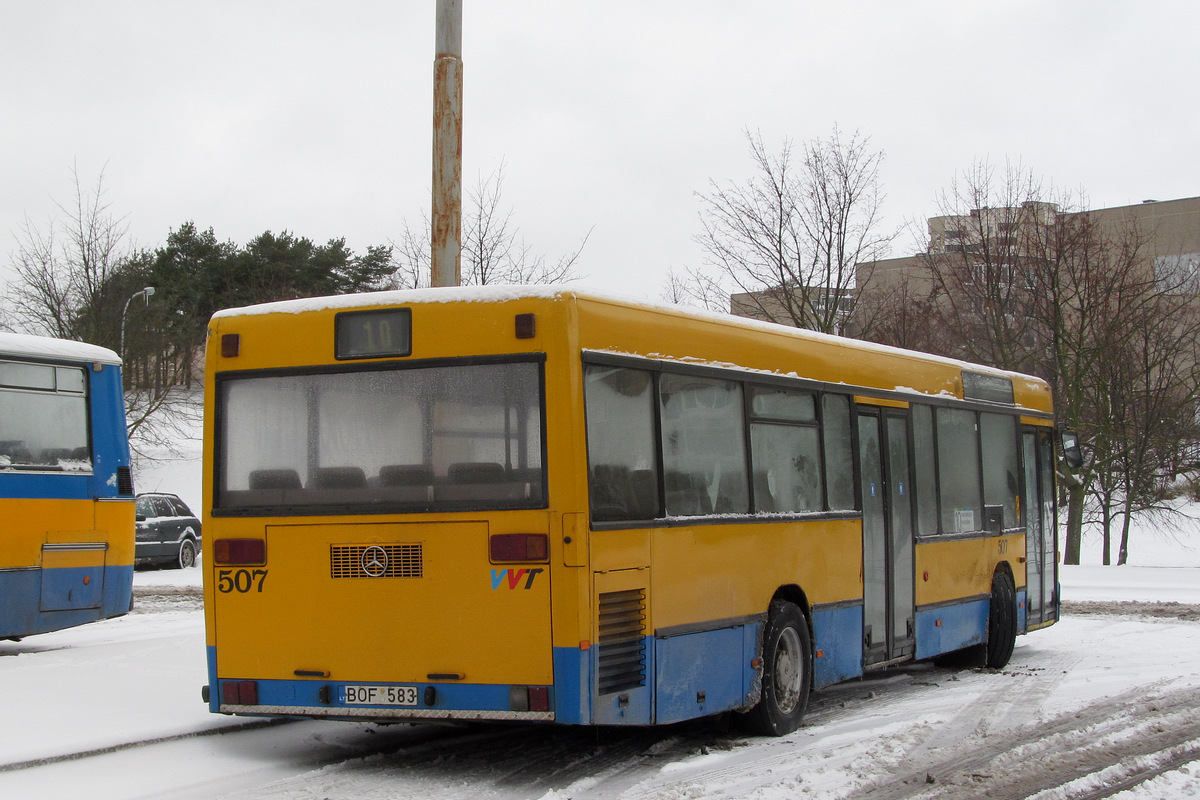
{"x":479,"y":480}
{"x":53,"y":455}
{"x":687,"y":494}
{"x":339,"y":478}
{"x":278,"y":479}
{"x":609,"y":492}
{"x":643,"y":494}
{"x":407,"y":482}
{"x":475,"y":472}
{"x":406,"y":475}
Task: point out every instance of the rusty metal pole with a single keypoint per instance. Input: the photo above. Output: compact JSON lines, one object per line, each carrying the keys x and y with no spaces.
{"x":447,"y":145}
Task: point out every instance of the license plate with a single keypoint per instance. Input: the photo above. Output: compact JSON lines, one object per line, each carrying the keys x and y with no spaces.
{"x":381,"y":696}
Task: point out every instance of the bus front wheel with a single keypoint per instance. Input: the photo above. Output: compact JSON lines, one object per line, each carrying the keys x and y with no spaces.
{"x":1002,"y":620}
{"x":786,"y":672}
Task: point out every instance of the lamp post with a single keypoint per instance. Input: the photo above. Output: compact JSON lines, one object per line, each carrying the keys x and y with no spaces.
{"x":446,"y":220}
{"x":149,"y":290}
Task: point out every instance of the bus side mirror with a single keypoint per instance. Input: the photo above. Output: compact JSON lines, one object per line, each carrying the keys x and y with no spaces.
{"x":1070,"y":449}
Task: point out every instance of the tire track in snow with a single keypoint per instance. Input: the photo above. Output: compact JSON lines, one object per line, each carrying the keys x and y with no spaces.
{"x":117,"y":748}
{"x":1130,"y":728}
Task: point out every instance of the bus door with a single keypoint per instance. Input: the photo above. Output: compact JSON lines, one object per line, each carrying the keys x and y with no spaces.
{"x":887,"y":536}
{"x":1040,"y":553}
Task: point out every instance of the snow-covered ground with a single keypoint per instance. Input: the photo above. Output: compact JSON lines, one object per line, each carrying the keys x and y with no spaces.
{"x":1102,"y":700}
{"x":1093,"y":688}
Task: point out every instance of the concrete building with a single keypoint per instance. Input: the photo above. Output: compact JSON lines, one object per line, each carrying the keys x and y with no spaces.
{"x":1171,"y":229}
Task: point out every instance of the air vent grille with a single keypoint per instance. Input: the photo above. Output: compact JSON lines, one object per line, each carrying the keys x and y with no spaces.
{"x":375,"y":561}
{"x":124,"y":482}
{"x":622,"y":646}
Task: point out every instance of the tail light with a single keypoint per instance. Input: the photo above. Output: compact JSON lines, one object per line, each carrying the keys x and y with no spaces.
{"x":239,"y":693}
{"x":507,"y":547}
{"x":240,"y":552}
{"x":529,"y":698}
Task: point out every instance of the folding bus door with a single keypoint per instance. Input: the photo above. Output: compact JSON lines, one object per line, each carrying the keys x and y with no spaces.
{"x":887,"y":537}
{"x":1041,"y":556}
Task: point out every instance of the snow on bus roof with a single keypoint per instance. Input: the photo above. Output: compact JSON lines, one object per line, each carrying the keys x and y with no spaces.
{"x":505,"y":293}
{"x":452,"y":294}
{"x":23,"y":344}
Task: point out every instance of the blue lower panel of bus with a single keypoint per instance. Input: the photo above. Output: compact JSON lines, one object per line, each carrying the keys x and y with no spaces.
{"x":42,"y":600}
{"x":951,"y":627}
{"x":837,"y":643}
{"x":703,"y":673}
{"x":686,"y":676}
{"x":1022,"y":619}
{"x":572,"y":685}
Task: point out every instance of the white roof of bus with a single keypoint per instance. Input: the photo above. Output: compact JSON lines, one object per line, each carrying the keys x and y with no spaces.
{"x":496,"y":294}
{"x":22,"y":344}
{"x":455,"y":294}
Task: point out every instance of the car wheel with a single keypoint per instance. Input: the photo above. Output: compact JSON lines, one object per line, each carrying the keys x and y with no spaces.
{"x":187,"y":554}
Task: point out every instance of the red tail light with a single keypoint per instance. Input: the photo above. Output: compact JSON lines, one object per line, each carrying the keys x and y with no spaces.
{"x":243,"y":552}
{"x":239,"y":693}
{"x":505,"y":547}
{"x":539,"y":698}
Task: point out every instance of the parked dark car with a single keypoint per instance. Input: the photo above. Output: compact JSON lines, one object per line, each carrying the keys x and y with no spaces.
{"x":168,"y":533}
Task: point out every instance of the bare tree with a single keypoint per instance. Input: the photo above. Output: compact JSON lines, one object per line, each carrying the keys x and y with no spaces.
{"x":695,"y":288}
{"x":790,"y":237}
{"x":1024,"y":279}
{"x":64,"y":269}
{"x":73,"y":277}
{"x":493,"y":251}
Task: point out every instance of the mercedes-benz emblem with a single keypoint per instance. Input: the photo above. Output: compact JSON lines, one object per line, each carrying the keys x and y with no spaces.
{"x":374,"y":561}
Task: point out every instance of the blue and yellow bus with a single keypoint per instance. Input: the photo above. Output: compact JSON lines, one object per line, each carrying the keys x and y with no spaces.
{"x":66,"y":490}
{"x":538,"y":504}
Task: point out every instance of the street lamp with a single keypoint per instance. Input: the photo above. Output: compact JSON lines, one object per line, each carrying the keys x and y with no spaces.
{"x":149,"y":290}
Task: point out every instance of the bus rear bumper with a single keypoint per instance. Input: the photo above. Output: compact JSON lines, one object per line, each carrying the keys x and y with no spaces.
{"x":373,"y":713}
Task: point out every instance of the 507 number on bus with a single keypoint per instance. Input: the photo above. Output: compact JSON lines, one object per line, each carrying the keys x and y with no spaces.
{"x":241,"y":580}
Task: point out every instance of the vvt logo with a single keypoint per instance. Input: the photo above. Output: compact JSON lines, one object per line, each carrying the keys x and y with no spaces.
{"x":513,"y":577}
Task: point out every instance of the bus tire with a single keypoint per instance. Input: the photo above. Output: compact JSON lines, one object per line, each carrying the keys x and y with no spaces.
{"x":1002,"y":620}
{"x":786,"y":672}
{"x":187,"y":554}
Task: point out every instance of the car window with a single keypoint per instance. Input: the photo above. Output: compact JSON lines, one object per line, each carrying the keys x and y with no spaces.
{"x":145,"y":508}
{"x":181,"y":510}
{"x":163,"y":506}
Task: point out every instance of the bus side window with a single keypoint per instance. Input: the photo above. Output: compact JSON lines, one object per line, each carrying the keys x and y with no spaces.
{"x":622,"y":468}
{"x":839,"y":461}
{"x":958,"y":470}
{"x":924,"y":476}
{"x":998,"y":433}
{"x":703,"y":446}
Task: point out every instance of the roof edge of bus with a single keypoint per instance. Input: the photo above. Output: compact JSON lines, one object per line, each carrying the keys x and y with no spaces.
{"x":25,"y":344}
{"x":449,"y":294}
{"x":494,"y":293}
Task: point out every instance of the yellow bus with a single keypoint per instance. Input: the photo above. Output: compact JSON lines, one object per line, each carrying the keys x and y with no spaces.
{"x":539,"y":504}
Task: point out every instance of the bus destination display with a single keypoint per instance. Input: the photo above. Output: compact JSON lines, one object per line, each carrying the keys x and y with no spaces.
{"x":373,"y":334}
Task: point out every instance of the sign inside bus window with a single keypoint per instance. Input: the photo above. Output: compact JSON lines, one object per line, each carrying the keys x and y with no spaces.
{"x":373,"y":334}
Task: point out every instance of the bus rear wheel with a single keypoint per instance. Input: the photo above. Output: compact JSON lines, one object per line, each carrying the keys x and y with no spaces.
{"x":786,"y":672}
{"x":1002,"y":620}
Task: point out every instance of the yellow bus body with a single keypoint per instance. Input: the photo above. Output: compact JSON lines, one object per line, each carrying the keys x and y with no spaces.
{"x":467,"y":630}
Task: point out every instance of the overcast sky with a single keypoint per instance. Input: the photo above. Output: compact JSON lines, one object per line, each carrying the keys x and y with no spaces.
{"x":315,"y":117}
